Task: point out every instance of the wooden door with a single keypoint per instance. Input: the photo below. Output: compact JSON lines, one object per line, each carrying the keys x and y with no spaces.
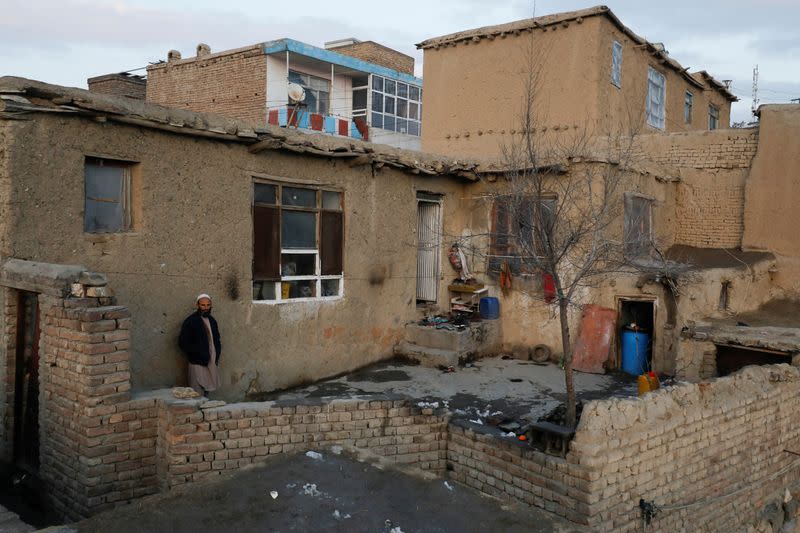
{"x":26,"y":389}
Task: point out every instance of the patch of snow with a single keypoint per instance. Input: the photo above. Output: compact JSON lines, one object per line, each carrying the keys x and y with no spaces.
{"x":477,"y":421}
{"x":396,"y":530}
{"x":448,"y":485}
{"x":337,"y":450}
{"x":274,"y":494}
{"x":510,"y":434}
{"x":432,"y":405}
{"x":314,"y":455}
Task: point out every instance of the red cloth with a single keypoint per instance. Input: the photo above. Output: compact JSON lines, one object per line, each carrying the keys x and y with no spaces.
{"x":548,"y":287}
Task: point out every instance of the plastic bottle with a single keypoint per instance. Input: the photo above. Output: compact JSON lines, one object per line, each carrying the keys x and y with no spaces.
{"x":652,"y":379}
{"x":644,"y":385}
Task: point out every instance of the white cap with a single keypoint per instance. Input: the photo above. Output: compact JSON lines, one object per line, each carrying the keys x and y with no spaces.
{"x":201,"y":296}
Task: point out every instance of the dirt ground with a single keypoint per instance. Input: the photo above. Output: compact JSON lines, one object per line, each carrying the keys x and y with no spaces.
{"x":331,"y":493}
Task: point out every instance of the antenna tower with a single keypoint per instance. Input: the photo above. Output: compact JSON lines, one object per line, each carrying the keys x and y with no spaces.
{"x":755,"y":92}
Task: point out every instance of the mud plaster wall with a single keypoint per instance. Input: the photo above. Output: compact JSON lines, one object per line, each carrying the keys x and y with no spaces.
{"x":773,"y":192}
{"x":718,"y":445}
{"x":195,"y":235}
{"x":526,"y":320}
{"x":5,"y":187}
{"x":574,"y":95}
{"x":232,"y":83}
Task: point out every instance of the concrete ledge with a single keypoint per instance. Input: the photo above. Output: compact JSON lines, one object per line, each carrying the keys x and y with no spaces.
{"x":44,"y":278}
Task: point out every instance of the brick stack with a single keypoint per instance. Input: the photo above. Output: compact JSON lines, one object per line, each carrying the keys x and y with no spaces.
{"x":122,"y":84}
{"x":728,"y":149}
{"x":206,"y":442}
{"x":97,"y":446}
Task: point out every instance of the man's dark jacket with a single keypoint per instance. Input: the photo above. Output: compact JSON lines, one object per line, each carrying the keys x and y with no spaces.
{"x":193,"y":339}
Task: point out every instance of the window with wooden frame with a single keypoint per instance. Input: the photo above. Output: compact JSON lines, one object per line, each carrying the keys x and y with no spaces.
{"x":107,"y":196}
{"x":516,"y":223}
{"x":638,"y":226}
{"x":298,"y":243}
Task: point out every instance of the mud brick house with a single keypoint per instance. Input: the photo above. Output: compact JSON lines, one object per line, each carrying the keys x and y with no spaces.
{"x":352,"y":88}
{"x":591,"y":71}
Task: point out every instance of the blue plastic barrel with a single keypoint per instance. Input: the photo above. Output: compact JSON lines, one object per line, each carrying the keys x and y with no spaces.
{"x":489,"y":307}
{"x":635,"y":351}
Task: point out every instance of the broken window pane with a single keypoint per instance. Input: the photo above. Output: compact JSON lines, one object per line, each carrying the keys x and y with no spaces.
{"x":263,"y":290}
{"x":298,"y":229}
{"x":264,"y":193}
{"x":377,"y":83}
{"x":299,"y":197}
{"x":330,"y":287}
{"x":332,"y":200}
{"x":298,"y":264}
{"x":306,"y":288}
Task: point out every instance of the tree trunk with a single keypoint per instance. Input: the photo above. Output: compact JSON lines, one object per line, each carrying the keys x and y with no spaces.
{"x":566,"y":346}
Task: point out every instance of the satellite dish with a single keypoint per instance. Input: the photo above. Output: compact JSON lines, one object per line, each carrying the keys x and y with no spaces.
{"x":296,"y":92}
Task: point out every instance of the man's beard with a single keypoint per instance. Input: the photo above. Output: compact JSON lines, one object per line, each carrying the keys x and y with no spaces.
{"x":205,"y":314}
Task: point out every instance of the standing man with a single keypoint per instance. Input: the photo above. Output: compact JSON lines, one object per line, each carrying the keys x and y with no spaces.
{"x":199,"y":341}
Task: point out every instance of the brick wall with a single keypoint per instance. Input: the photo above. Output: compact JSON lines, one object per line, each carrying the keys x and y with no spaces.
{"x":710,"y":216}
{"x":708,"y":149}
{"x":380,"y":55}
{"x":203,"y":443}
{"x":230,"y":83}
{"x":96,"y":445}
{"x":709,"y":454}
{"x":119,"y":85}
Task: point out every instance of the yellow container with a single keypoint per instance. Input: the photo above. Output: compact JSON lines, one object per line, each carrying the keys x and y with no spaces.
{"x":644,"y":385}
{"x":285,"y":290}
{"x":652,"y":379}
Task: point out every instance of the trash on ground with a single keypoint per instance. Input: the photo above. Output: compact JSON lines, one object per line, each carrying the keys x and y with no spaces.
{"x":274,"y":494}
{"x":448,"y":485}
{"x":310,"y":489}
{"x":314,"y":455}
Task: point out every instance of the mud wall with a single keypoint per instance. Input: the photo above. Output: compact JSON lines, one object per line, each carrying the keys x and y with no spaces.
{"x":193,"y":233}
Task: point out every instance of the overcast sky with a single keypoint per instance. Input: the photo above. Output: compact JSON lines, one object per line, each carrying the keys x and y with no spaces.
{"x":67,"y":41}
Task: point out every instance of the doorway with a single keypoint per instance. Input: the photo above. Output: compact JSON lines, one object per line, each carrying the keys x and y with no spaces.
{"x":636,"y":315}
{"x":429,"y":208}
{"x":26,"y":382}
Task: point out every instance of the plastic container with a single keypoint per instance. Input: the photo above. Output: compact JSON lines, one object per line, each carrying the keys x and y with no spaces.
{"x":643,"y":384}
{"x":489,"y":308}
{"x":635,"y":352}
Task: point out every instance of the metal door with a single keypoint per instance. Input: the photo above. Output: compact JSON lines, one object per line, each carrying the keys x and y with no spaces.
{"x":428,"y":252}
{"x":26,"y":384}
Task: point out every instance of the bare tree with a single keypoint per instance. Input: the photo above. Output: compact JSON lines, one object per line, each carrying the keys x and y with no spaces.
{"x":558,"y":212}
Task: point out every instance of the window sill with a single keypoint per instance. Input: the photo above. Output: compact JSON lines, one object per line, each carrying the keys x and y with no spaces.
{"x":298,"y":300}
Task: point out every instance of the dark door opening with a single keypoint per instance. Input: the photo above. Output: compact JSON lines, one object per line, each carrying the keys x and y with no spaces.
{"x":732,"y":358}
{"x":26,"y":382}
{"x":636,"y":334}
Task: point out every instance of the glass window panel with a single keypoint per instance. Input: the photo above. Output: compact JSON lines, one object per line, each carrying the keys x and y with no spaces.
{"x":413,"y":110}
{"x":389,"y":87}
{"x":264,"y":193}
{"x":360,"y":81}
{"x":377,"y":83}
{"x":360,"y":99}
{"x":402,"y":125}
{"x":332,"y":200}
{"x":298,"y":264}
{"x":377,"y":120}
{"x":402,"y":90}
{"x":319,"y":83}
{"x":103,"y":201}
{"x":298,"y":229}
{"x":311,"y":102}
{"x":102,"y":217}
{"x":330,"y":287}
{"x":413,"y":93}
{"x":299,"y":197}
{"x":322,"y":103}
{"x":263,"y":290}
{"x":402,"y":108}
{"x":388,"y":104}
{"x":377,"y":101}
{"x":298,"y":289}
{"x":413,"y":128}
{"x":388,"y":122}
{"x":295,"y":77}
